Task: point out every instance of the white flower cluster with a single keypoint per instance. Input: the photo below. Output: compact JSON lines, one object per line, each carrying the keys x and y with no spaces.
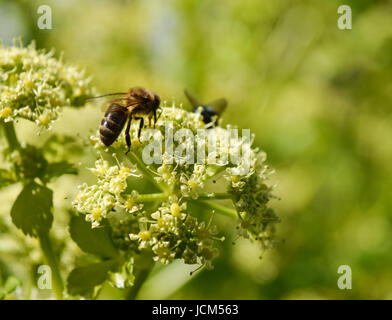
{"x":34,"y":85}
{"x":173,"y":231}
{"x":98,"y":200}
{"x":173,"y":234}
{"x":250,"y":197}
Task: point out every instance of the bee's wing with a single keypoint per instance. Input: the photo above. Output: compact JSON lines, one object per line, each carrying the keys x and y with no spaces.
{"x":119,"y":101}
{"x":193,"y":99}
{"x":105,"y":105}
{"x":218,"y":105}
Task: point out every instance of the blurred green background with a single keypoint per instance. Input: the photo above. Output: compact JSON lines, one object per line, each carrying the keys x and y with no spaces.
{"x":318,"y":99}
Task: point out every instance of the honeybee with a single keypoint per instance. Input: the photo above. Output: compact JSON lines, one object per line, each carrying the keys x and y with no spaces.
{"x":135,"y":104}
{"x":210,"y":111}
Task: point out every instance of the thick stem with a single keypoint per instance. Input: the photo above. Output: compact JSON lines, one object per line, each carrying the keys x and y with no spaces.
{"x":10,"y":135}
{"x":140,"y":277}
{"x":142,"y":268}
{"x":51,"y":260}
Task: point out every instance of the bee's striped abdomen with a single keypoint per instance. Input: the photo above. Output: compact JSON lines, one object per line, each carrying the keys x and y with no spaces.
{"x":112,"y":123}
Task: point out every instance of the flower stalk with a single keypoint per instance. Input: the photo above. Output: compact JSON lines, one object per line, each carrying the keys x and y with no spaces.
{"x":216,"y":207}
{"x":151,"y":197}
{"x":51,"y":260}
{"x":141,"y":274}
{"x":10,"y":135}
{"x":146,"y":172}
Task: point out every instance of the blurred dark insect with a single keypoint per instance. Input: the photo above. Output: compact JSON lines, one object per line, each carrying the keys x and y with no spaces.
{"x":210,"y":111}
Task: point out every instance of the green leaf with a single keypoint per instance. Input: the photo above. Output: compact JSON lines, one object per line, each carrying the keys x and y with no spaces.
{"x":82,"y":281}
{"x":10,"y":286}
{"x":61,"y":145}
{"x":57,"y":169}
{"x":96,"y":241}
{"x":32,"y":209}
{"x":31,"y":163}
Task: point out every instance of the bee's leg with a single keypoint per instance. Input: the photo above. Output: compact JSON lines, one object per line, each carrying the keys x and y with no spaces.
{"x":155,"y":118}
{"x":160,"y":113}
{"x":140,"y":126}
{"x":149,"y":121}
{"x":127,"y":136}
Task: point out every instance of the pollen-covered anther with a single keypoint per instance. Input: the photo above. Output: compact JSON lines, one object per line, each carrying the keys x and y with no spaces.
{"x":43,"y":119}
{"x":129,"y":203}
{"x":234,"y":179}
{"x":192,"y":185}
{"x":5,"y":112}
{"x":144,"y":235}
{"x":96,"y":213}
{"x":175,"y":210}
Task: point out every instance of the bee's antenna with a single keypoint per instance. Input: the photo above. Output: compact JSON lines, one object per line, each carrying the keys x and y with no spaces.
{"x":105,"y":95}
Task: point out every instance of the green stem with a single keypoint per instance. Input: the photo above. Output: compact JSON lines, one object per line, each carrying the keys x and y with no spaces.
{"x":10,"y":135}
{"x":142,"y":268}
{"x":217,"y":172}
{"x":140,"y":277}
{"x":214,"y":196}
{"x":200,"y":201}
{"x":151,"y":197}
{"x":146,"y":172}
{"x":217,"y":207}
{"x":51,"y":260}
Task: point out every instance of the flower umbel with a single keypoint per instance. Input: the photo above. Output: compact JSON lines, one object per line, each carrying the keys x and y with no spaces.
{"x":169,"y":224}
{"x":34,"y":85}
